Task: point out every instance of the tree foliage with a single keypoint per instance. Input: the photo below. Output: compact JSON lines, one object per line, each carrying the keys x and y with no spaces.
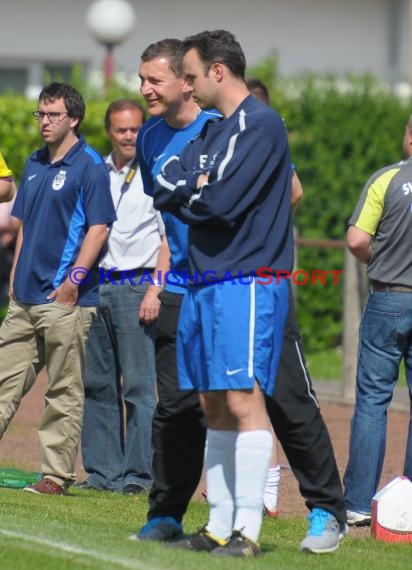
{"x":341,"y":130}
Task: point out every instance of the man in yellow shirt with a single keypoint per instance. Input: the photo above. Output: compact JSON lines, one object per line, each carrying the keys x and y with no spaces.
{"x":6,"y":181}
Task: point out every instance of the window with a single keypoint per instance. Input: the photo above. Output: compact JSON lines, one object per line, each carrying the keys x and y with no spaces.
{"x":13,"y":80}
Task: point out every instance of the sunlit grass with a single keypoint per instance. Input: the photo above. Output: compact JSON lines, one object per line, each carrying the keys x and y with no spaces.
{"x":90,"y":530}
{"x":327,"y":365}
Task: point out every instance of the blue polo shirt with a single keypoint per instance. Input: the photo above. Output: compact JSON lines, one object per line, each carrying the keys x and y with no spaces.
{"x":57,"y":204}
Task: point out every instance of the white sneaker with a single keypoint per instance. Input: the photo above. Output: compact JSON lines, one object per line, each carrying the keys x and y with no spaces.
{"x":358,"y":519}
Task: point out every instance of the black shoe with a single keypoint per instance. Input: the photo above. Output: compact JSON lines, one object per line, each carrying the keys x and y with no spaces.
{"x":239,"y":546}
{"x":133,"y":489}
{"x":85,"y":485}
{"x":200,"y":541}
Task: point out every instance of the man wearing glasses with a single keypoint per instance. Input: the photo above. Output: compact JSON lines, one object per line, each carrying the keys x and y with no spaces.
{"x":64,"y":206}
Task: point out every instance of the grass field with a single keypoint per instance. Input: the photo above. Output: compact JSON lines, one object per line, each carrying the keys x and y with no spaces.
{"x":89,"y":530}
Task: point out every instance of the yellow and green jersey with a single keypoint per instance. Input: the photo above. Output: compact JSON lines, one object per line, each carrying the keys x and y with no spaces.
{"x":384,"y":211}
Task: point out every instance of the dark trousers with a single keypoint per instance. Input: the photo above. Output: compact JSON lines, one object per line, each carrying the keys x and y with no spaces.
{"x":179,"y":426}
{"x":294,"y":412}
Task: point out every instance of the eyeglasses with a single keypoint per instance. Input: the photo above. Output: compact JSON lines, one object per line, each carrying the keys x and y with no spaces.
{"x":53,"y":116}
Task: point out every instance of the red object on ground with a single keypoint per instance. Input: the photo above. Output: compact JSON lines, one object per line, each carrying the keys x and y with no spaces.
{"x":392,"y":512}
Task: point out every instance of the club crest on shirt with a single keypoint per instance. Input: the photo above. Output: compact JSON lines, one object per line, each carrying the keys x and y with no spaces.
{"x":59,"y":180}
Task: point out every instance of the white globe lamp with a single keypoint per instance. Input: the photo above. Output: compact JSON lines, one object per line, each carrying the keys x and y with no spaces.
{"x":110,"y":22}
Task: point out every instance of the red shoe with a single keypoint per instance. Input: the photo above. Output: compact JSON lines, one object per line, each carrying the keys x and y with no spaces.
{"x":45,"y":487}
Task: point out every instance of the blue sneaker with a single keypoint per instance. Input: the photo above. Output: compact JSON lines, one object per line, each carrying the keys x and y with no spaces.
{"x":159,"y":528}
{"x":323,"y":534}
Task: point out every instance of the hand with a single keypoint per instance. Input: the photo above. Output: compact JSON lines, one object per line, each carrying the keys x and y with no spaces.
{"x":202,"y":180}
{"x":150,"y":305}
{"x":66,"y":294}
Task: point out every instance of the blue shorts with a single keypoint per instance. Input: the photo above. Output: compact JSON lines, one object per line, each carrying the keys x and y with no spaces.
{"x":230,"y":334}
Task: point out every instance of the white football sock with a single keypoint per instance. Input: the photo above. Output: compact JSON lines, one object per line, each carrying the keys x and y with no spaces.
{"x":220,"y":479}
{"x":270,"y":495}
{"x":253,"y":453}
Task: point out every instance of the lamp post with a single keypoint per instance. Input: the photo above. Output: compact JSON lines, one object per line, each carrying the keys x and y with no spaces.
{"x":110,"y":22}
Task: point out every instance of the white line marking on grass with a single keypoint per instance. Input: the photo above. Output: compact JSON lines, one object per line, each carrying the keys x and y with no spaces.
{"x":126,"y":563}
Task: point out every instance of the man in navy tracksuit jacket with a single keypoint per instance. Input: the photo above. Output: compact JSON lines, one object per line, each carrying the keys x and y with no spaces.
{"x":232,"y":186}
{"x":245,"y":189}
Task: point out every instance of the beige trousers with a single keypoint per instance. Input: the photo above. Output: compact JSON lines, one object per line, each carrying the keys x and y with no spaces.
{"x":53,"y":335}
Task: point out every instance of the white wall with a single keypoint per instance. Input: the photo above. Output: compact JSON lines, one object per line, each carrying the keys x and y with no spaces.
{"x":315,"y":35}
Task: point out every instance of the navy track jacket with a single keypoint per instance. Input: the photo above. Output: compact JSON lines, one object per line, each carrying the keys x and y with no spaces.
{"x":240,"y":220}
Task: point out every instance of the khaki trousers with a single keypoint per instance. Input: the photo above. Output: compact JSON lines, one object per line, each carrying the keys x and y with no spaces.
{"x":53,"y":335}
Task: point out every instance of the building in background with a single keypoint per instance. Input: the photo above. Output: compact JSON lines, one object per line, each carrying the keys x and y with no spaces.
{"x":339,"y":36}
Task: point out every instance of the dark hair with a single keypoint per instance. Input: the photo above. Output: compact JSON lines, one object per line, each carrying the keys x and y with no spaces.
{"x":73,"y":100}
{"x":122,"y":105}
{"x":170,"y":48}
{"x":258,"y":89}
{"x":218,"y":46}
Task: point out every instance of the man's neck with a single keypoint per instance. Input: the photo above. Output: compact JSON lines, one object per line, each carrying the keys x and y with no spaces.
{"x":231,"y":98}
{"x":183,"y":116}
{"x":58,"y":150}
{"x":119,"y":162}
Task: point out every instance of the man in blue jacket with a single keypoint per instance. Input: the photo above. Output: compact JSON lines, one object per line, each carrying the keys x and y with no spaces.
{"x":178,"y":424}
{"x":232,"y":186}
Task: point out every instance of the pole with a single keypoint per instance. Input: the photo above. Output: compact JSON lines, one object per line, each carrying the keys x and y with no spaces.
{"x":108,"y":69}
{"x":352,"y":307}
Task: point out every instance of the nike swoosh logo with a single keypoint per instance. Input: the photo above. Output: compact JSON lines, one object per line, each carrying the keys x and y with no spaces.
{"x":156,"y":158}
{"x":232,"y":372}
{"x":32,"y":176}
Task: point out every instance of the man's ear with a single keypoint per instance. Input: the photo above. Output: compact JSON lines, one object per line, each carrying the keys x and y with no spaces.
{"x":74,"y":122}
{"x":218,"y":70}
{"x":187,"y":88}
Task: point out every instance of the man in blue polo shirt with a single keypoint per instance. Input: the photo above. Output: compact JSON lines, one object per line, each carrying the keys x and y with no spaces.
{"x":64,"y":205}
{"x":178,"y":429}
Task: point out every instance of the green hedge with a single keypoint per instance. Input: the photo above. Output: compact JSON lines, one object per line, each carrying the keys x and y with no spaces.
{"x":340,"y":133}
{"x":339,"y":140}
